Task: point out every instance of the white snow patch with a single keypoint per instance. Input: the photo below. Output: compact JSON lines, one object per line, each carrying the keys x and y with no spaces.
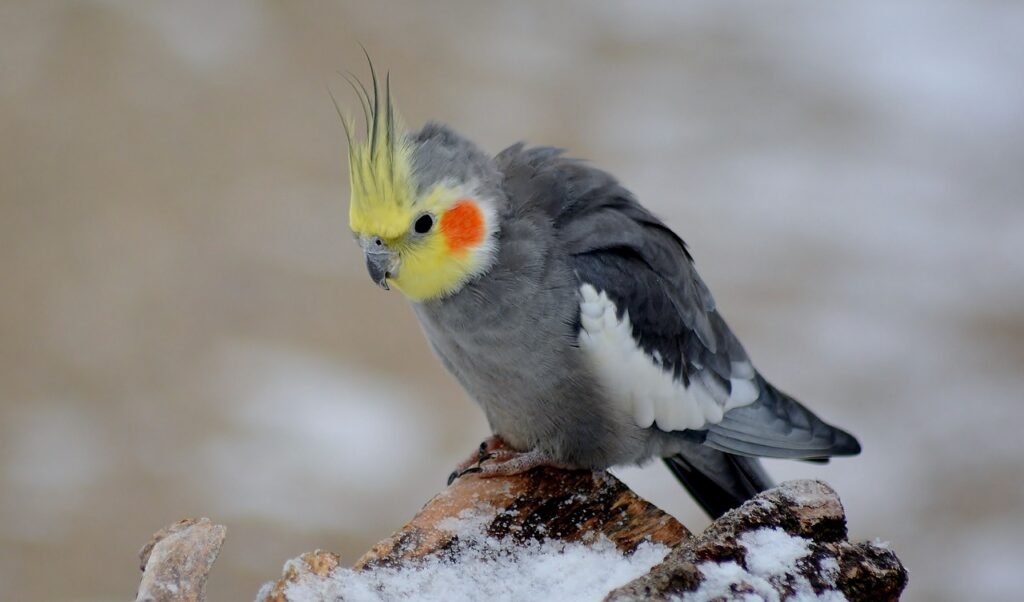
{"x":829,"y":567}
{"x":773,"y":551}
{"x":487,"y":568}
{"x":772,"y":557}
{"x":469,"y":521}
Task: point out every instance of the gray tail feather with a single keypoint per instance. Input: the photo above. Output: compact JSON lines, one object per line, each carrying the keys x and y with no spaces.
{"x":719,"y":481}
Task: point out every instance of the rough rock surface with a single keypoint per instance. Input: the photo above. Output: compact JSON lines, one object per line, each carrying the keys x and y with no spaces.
{"x":544,"y":503}
{"x":788,"y":543}
{"x":177,"y":560}
{"x":795,"y":511}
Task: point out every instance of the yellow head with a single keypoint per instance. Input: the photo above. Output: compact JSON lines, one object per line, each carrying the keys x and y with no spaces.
{"x":423,"y":205}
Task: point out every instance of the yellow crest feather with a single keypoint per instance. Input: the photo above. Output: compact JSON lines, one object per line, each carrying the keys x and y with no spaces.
{"x":379,"y":171}
{"x":384,"y":203}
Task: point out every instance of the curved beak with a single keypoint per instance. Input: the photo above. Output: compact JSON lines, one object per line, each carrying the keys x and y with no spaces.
{"x":381,"y":264}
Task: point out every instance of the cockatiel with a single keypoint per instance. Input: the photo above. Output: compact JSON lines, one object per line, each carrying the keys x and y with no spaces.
{"x":572,"y":315}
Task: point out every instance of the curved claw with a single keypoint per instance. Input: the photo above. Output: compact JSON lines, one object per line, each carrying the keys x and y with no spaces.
{"x":489,"y":449}
{"x":458,"y":475}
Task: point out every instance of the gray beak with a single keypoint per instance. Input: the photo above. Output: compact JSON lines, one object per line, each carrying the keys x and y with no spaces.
{"x":379,"y":264}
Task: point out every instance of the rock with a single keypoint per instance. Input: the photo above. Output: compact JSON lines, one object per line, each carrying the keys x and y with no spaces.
{"x":541,"y":504}
{"x":788,"y":540}
{"x":177,"y":560}
{"x":553,"y":534}
{"x":544,"y":504}
{"x":316,"y":565}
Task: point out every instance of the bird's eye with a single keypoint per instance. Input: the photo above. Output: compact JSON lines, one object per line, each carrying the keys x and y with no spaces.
{"x":423,"y":223}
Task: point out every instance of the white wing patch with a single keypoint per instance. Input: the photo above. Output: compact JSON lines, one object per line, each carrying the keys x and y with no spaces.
{"x":642,"y":383}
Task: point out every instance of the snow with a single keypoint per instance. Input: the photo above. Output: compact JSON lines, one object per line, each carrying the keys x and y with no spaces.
{"x":483,"y":567}
{"x":829,"y":568}
{"x":847,"y":174}
{"x":772,"y":557}
{"x":773,"y":551}
{"x":470,"y":520}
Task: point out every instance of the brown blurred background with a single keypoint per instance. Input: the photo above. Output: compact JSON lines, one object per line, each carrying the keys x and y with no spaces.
{"x":186,"y":327}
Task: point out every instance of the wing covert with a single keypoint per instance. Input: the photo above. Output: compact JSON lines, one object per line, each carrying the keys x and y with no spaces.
{"x":649,"y":323}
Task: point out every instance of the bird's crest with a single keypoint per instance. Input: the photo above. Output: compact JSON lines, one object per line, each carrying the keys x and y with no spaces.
{"x":382,"y":191}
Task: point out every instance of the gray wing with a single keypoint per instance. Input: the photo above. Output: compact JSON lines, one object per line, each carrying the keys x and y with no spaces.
{"x":618,"y":247}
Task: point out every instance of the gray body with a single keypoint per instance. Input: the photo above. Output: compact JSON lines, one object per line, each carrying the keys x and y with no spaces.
{"x":511,"y":335}
{"x":510,"y":338}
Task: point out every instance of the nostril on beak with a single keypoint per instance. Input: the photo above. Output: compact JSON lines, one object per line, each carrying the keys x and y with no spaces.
{"x":379,"y":261}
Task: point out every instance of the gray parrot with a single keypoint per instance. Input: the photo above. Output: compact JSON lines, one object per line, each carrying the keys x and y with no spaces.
{"x":572,"y":315}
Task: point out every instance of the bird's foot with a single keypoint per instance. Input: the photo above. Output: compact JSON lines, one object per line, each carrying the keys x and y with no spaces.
{"x":496,"y":459}
{"x":487,"y":448}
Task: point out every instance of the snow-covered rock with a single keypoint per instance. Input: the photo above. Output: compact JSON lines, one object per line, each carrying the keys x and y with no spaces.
{"x":558,"y":535}
{"x":788,"y":543}
{"x":566,"y":535}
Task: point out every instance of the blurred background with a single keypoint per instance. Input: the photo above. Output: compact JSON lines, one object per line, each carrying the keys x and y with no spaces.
{"x":186,"y":327}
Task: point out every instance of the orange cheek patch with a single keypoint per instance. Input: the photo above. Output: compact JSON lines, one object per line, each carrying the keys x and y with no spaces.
{"x":463,"y":225}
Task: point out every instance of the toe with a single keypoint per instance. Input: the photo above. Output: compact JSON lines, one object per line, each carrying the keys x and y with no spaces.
{"x":470,"y":470}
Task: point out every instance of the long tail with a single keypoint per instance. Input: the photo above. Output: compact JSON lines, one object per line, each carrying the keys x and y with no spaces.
{"x":719,"y":481}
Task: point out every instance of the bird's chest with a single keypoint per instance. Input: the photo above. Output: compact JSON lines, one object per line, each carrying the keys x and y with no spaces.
{"x":491,"y":350}
{"x":515,"y":360}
